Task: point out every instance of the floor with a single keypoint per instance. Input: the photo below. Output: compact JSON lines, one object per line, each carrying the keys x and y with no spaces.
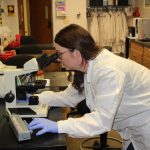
{"x":114,"y":139}
{"x":74,"y":144}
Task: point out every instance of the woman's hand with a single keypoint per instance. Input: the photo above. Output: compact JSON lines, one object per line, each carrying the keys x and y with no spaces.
{"x":44,"y":124}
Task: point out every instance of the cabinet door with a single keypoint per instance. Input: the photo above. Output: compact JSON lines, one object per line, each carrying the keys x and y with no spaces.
{"x":146,"y":57}
{"x":136,"y":52}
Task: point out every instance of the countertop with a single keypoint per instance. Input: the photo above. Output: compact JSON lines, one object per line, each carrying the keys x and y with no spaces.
{"x":48,"y":141}
{"x":147,"y":44}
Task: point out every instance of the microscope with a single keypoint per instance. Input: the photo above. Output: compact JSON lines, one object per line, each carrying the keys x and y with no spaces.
{"x":18,"y":86}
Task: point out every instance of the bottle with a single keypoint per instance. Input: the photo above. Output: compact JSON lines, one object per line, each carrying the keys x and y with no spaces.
{"x":137,"y":12}
{"x":116,"y":2}
{"x":105,"y":2}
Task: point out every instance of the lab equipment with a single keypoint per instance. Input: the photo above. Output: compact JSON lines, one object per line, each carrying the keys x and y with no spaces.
{"x":141,"y":27}
{"x":19,"y":85}
{"x":19,"y":127}
{"x":5,"y":37}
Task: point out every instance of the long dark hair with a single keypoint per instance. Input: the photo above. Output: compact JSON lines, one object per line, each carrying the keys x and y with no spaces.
{"x":75,"y":37}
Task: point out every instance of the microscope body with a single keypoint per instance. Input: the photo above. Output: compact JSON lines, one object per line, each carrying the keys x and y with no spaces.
{"x":16,"y":88}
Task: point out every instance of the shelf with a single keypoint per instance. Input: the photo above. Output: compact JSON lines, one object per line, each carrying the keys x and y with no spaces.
{"x":110,"y":6}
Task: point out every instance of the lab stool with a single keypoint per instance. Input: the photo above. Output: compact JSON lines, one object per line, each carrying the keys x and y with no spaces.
{"x":101,"y":142}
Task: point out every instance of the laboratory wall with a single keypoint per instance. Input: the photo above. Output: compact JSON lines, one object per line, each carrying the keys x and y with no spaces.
{"x":145,"y":11}
{"x":10,"y":19}
{"x":75,"y":13}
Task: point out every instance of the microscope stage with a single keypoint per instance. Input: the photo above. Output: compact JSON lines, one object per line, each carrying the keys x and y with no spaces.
{"x":22,"y":111}
{"x":30,"y":112}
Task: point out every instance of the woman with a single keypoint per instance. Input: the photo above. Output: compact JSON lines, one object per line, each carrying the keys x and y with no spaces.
{"x":117,"y":92}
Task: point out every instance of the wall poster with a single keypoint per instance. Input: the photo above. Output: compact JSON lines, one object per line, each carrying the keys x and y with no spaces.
{"x":60,"y":8}
{"x":11,"y":10}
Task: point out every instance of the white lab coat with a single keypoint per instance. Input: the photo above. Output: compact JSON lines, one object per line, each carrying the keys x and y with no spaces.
{"x":117,"y":91}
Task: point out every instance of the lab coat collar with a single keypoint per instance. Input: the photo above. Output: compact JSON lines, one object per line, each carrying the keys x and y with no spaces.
{"x":92,"y":62}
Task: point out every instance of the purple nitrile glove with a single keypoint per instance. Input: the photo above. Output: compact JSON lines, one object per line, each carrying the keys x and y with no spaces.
{"x":44,"y":124}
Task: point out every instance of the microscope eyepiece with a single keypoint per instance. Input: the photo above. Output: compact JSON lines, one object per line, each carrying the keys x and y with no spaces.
{"x":44,"y":60}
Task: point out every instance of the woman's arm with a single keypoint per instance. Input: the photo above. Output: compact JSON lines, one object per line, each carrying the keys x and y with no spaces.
{"x":109,"y":85}
{"x":69,"y":97}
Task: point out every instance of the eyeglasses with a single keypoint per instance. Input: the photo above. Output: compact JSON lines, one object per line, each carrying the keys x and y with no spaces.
{"x":60,"y":54}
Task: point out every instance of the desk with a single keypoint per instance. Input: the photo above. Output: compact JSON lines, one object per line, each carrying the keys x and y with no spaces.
{"x":47,"y":141}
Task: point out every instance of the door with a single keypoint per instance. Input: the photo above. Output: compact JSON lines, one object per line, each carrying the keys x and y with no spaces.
{"x":40,"y":20}
{"x":21,"y":17}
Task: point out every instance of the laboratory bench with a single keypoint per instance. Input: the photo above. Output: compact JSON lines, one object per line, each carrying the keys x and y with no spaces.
{"x":48,"y":141}
{"x":58,"y":80}
{"x":31,"y":48}
{"x":19,"y":60}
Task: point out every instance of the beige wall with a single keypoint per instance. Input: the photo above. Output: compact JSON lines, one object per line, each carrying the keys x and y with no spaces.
{"x":145,"y":11}
{"x":10,"y":21}
{"x":73,"y":7}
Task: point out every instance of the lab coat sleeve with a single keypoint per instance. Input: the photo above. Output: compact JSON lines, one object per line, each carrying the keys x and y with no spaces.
{"x":109,"y":86}
{"x":69,"y":97}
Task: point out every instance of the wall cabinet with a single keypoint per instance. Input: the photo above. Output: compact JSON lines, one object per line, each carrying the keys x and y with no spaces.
{"x":140,"y":54}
